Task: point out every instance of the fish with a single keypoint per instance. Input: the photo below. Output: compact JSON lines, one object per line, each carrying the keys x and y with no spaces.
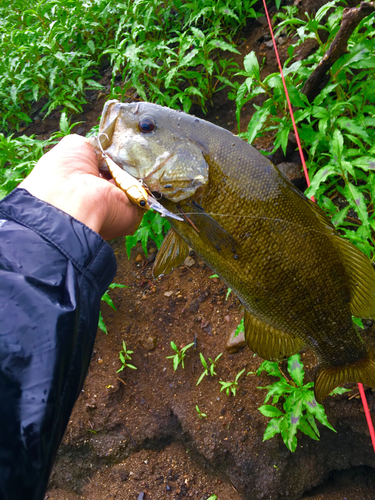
{"x":298,"y":280}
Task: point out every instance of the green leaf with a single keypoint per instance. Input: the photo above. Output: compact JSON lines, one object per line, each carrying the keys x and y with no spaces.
{"x":338,"y":219}
{"x":272,"y":429}
{"x":270,"y":411}
{"x":365,"y":162}
{"x":251,"y":66}
{"x":306,"y":428}
{"x":358,"y":322}
{"x":319,"y":178}
{"x":101,"y":323}
{"x":357,"y":201}
{"x":91,"y":46}
{"x":256,"y":123}
{"x":337,"y":144}
{"x":295,"y":368}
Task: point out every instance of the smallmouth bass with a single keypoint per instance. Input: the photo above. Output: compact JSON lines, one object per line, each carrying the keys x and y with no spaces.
{"x":298,"y":280}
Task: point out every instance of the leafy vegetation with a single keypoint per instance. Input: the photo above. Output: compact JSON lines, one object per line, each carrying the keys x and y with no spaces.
{"x":200,"y":413}
{"x":52,"y":52}
{"x":300,"y":407}
{"x":231,"y":387}
{"x":208,"y":370}
{"x":153,"y":227}
{"x":179,"y":356}
{"x":107,"y":299}
{"x":124,"y":356}
{"x":337,"y":129}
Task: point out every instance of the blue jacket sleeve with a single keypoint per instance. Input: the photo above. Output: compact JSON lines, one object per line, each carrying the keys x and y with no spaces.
{"x":53,"y":272}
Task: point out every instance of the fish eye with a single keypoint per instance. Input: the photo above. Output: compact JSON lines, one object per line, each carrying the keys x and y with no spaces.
{"x":146,"y":124}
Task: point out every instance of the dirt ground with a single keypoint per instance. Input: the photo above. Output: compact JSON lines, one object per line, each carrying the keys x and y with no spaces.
{"x":137,"y":434}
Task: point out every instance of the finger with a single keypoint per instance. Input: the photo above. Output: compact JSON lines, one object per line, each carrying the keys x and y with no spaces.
{"x":123,"y":217}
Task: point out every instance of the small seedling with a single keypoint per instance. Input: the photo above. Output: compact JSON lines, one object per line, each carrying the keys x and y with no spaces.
{"x":201,"y":414}
{"x":208,"y":370}
{"x":124,"y":356}
{"x":109,"y":301}
{"x":301,"y":408}
{"x":179,"y":356}
{"x":212,"y":497}
{"x":229,"y":289}
{"x":231,"y":387}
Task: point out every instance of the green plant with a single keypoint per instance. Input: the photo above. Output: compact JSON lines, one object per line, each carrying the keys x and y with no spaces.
{"x":337,"y":129}
{"x":200,"y":414}
{"x":153,"y":226}
{"x":124,"y":356}
{"x":107,"y":299}
{"x":208,"y":370}
{"x":18,"y":156}
{"x":179,"y":356}
{"x":300,"y":407}
{"x":212,"y":497}
{"x":53,"y":52}
{"x":229,"y":289}
{"x":231,"y":387}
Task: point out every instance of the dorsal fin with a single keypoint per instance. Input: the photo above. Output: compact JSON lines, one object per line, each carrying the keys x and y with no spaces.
{"x":172,"y":253}
{"x":361,"y":278}
{"x":270,"y":343}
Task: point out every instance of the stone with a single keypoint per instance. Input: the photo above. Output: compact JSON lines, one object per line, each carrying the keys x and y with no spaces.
{"x":189,"y":261}
{"x":151,"y":343}
{"x":234,"y":344}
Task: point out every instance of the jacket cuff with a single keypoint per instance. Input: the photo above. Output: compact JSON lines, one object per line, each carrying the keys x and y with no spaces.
{"x":87,"y":251}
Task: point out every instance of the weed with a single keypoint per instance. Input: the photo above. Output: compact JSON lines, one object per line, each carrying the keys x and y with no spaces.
{"x":300,"y":406}
{"x":208,"y":370}
{"x":229,"y":289}
{"x":179,"y":356}
{"x":124,"y":356}
{"x":153,"y":226}
{"x":337,"y":129}
{"x":231,"y":387}
{"x":106,"y":298}
{"x":212,"y":497}
{"x":200,"y":414}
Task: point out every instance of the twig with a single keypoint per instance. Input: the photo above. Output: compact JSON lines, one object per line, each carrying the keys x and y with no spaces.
{"x":350,"y":20}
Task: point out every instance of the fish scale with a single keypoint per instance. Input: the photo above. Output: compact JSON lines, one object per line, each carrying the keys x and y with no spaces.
{"x":299,"y":281}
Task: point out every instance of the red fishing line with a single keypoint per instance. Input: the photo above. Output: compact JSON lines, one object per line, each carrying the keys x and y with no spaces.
{"x":360,"y":386}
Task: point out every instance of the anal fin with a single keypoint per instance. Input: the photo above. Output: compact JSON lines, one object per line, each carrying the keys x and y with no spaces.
{"x":172,"y":253}
{"x":328,"y":378}
{"x":270,"y":343}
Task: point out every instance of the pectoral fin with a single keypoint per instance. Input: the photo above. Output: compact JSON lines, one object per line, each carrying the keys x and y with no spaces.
{"x":270,"y":343}
{"x":328,"y":378}
{"x":172,"y":253}
{"x":208,"y":228}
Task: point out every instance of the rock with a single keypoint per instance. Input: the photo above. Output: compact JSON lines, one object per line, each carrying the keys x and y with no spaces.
{"x":168,"y":294}
{"x":234,"y":344}
{"x":292,"y":170}
{"x":139,"y":258}
{"x":141,"y":496}
{"x":189,"y":261}
{"x":151,"y":343}
{"x":194,"y":306}
{"x":269,"y":44}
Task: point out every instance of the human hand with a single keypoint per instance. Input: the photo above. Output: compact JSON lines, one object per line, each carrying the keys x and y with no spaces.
{"x":68,"y":178}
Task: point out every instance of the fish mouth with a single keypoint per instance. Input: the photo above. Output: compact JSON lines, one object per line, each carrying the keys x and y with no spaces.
{"x":157,"y":168}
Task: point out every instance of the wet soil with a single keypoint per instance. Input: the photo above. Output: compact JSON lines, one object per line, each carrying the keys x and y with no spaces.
{"x":136,"y":434}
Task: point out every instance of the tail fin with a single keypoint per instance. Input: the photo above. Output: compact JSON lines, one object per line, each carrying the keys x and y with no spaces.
{"x":328,"y":378}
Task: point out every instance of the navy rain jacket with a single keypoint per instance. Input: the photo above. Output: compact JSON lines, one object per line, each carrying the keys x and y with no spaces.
{"x":53,"y":272}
